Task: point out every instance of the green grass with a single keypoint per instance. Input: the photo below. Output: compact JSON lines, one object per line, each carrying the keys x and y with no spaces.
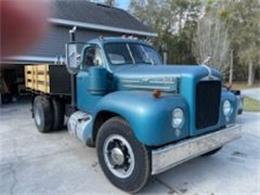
{"x":251,"y":105}
{"x":243,"y":85}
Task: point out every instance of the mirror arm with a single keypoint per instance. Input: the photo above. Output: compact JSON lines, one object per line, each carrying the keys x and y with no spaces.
{"x":72,"y":33}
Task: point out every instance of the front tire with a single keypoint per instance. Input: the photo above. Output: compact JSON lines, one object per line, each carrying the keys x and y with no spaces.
{"x":124,"y":160}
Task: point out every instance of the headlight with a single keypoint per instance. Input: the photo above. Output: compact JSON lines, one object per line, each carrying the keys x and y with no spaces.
{"x":177,"y":118}
{"x":227,"y":108}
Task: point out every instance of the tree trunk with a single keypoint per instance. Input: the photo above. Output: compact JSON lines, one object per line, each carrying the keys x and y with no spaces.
{"x":251,"y":74}
{"x":231,"y":68}
{"x":165,"y":56}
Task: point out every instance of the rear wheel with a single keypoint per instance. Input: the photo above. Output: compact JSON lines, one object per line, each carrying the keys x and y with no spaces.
{"x":43,"y":114}
{"x":124,"y":160}
{"x":58,"y":113}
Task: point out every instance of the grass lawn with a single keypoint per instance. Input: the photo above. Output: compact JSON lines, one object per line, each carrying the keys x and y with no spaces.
{"x":251,"y":105}
{"x":243,"y":85}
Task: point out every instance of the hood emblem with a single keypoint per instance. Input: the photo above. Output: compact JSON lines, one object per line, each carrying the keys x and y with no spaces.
{"x":210,"y":76}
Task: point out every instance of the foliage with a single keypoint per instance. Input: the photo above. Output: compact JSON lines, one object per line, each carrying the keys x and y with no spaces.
{"x":251,"y":105}
{"x":174,"y":21}
{"x":242,"y":21}
{"x":243,"y":85}
{"x":212,"y":39}
{"x":112,"y":3}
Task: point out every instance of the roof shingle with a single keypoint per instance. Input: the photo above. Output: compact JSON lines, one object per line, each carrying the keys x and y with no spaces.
{"x":93,"y":13}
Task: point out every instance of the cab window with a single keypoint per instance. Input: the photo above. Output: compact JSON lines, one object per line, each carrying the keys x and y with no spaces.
{"x":92,"y":57}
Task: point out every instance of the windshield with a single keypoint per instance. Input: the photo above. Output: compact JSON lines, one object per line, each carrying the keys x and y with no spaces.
{"x":131,"y":53}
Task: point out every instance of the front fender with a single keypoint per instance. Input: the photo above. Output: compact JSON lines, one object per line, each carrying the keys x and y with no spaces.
{"x":150,"y":118}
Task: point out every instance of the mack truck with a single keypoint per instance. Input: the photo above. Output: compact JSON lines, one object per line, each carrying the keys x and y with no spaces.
{"x":144,"y":117}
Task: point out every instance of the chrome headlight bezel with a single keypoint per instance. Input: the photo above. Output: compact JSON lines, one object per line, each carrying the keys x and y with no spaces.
{"x":177,"y":118}
{"x":227,"y":108}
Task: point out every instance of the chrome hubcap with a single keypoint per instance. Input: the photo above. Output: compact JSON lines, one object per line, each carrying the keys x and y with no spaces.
{"x":119,"y":156}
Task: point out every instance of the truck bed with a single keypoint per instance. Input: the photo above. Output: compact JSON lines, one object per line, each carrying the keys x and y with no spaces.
{"x":48,"y":79}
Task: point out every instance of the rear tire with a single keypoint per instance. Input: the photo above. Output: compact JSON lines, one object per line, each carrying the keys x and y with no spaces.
{"x":58,"y":113}
{"x":124,"y":160}
{"x":43,"y":114}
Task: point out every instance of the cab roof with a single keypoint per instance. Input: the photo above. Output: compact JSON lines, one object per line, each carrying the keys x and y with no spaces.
{"x":104,"y":40}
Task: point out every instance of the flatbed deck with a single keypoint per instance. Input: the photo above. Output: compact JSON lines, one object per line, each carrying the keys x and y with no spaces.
{"x":48,"y":79}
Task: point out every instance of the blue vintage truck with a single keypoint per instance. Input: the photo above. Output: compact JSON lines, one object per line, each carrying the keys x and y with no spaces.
{"x":143,"y":117}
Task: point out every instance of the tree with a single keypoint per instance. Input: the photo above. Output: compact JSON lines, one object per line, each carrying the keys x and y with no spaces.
{"x":242,"y":21}
{"x":212,"y":39}
{"x":174,"y":21}
{"x":111,"y":3}
{"x":228,"y":31}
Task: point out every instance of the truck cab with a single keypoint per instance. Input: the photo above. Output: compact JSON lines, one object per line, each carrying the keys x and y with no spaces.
{"x":143,"y":116}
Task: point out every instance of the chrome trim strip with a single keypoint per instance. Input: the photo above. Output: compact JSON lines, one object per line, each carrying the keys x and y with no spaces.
{"x":172,"y":155}
{"x":100,"y":27}
{"x":148,"y":82}
{"x":207,"y":78}
{"x":162,"y":82}
{"x":148,"y":87}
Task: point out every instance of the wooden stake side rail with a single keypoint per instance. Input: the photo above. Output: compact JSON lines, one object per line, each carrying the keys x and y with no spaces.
{"x":37,"y":77}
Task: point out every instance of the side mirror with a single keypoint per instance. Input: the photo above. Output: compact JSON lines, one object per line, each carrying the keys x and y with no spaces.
{"x":73,"y":56}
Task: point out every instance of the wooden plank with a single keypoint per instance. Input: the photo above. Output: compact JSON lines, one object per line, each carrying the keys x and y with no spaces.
{"x":28,"y":71}
{"x":26,"y":76}
{"x":44,"y":68}
{"x":29,"y":76}
{"x":30,"y":85}
{"x":43,"y":88}
{"x":44,"y":78}
{"x":37,"y":77}
{"x":28,"y":68}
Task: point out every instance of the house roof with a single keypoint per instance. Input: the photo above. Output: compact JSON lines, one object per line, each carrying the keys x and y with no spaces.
{"x":93,"y":20}
{"x":85,"y":14}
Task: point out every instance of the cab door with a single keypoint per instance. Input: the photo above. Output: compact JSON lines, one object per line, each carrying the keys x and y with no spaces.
{"x":92,"y":56}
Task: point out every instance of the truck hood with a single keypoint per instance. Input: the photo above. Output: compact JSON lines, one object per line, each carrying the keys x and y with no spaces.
{"x":159,"y":76}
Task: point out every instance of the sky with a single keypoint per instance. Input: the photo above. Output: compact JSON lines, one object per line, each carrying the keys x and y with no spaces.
{"x":123,"y":4}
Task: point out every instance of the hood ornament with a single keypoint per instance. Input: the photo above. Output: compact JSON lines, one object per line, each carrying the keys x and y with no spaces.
{"x":204,"y":64}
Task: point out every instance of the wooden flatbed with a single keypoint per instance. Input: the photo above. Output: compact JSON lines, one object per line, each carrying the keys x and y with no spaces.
{"x":48,"y":79}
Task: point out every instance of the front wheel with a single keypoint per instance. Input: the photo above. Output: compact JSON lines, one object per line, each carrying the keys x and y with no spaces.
{"x":124,"y":160}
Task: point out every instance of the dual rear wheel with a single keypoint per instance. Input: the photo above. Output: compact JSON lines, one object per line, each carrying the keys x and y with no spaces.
{"x":48,"y":113}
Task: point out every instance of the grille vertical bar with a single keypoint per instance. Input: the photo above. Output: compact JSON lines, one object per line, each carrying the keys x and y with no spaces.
{"x":207,"y":103}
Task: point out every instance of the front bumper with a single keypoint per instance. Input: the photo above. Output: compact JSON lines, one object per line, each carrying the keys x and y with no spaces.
{"x":172,"y":155}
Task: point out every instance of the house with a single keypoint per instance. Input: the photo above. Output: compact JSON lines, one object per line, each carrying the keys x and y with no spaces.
{"x":92,"y":20}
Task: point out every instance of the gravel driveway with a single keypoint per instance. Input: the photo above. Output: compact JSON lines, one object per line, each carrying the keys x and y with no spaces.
{"x":253,"y":93}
